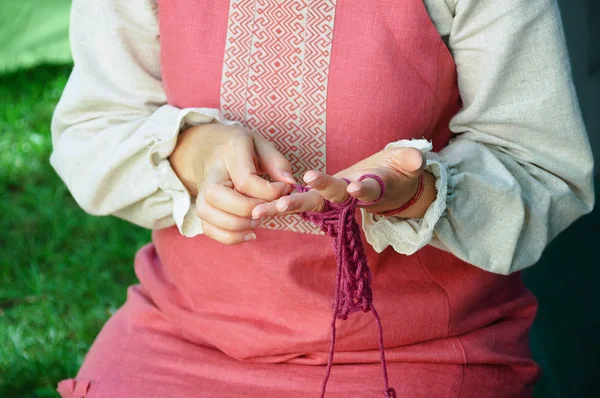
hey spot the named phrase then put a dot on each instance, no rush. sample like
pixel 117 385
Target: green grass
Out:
pixel 62 272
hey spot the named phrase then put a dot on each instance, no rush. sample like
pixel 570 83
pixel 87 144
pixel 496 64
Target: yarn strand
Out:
pixel 353 276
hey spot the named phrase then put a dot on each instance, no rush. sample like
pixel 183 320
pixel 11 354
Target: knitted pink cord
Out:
pixel 353 276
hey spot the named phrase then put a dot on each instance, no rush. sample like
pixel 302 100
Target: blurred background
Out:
pixel 63 273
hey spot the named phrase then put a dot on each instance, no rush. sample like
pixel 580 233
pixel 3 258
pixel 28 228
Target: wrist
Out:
pixel 419 208
pixel 186 156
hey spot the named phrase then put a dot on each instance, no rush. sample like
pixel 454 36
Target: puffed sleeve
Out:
pixel 113 130
pixel 519 169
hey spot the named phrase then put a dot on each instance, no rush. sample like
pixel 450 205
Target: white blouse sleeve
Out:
pixel 519 169
pixel 113 131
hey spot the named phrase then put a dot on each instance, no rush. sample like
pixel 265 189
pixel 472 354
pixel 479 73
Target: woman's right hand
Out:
pixel 219 164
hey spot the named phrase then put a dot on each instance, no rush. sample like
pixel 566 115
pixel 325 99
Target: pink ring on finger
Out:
pixel 381 185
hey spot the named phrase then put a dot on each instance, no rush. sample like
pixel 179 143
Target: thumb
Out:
pixel 412 162
pixel 273 162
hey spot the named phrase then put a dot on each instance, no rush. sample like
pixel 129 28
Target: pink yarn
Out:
pixel 353 276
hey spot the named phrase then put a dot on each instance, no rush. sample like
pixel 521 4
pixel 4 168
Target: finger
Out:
pixel 307 201
pixel 367 190
pixel 228 200
pixel 330 188
pixel 296 203
pixel 223 220
pixel 412 162
pixel 239 161
pixel 226 237
pixel 265 210
pixel 273 162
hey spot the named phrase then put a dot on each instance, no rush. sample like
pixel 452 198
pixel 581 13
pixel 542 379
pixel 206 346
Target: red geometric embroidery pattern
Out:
pixel 275 80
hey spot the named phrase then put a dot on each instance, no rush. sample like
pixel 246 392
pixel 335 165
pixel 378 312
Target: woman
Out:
pixel 175 110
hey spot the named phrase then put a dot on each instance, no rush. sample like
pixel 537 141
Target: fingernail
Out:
pixel 250 236
pixel 281 206
pixel 310 177
pixel 255 214
pixel 289 177
pixel 353 188
pixel 254 223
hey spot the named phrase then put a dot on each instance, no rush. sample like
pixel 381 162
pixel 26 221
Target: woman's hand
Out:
pixel 219 165
pixel 399 168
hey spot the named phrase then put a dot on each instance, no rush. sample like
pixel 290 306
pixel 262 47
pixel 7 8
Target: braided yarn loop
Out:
pixel 353 276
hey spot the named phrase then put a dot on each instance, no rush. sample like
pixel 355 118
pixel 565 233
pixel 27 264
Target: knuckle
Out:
pixel 271 195
pixel 319 183
pixel 237 130
pixel 246 208
pixel 211 193
pixel 319 206
pixel 253 135
pixel 230 145
pixel 239 137
pixel 233 224
pixel 242 130
pixel 268 162
pixel 242 185
pixel 208 232
pixel 338 197
pixel 201 209
pixel 279 161
pixel 319 203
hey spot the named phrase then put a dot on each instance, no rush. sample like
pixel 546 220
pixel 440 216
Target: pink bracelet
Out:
pixel 408 204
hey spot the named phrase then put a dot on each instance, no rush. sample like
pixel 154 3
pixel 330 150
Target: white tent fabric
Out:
pixel 33 32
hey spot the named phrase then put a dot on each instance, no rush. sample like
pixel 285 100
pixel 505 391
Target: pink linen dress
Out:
pixel 329 83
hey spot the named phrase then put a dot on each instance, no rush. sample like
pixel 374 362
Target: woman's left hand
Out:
pixel 399 168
